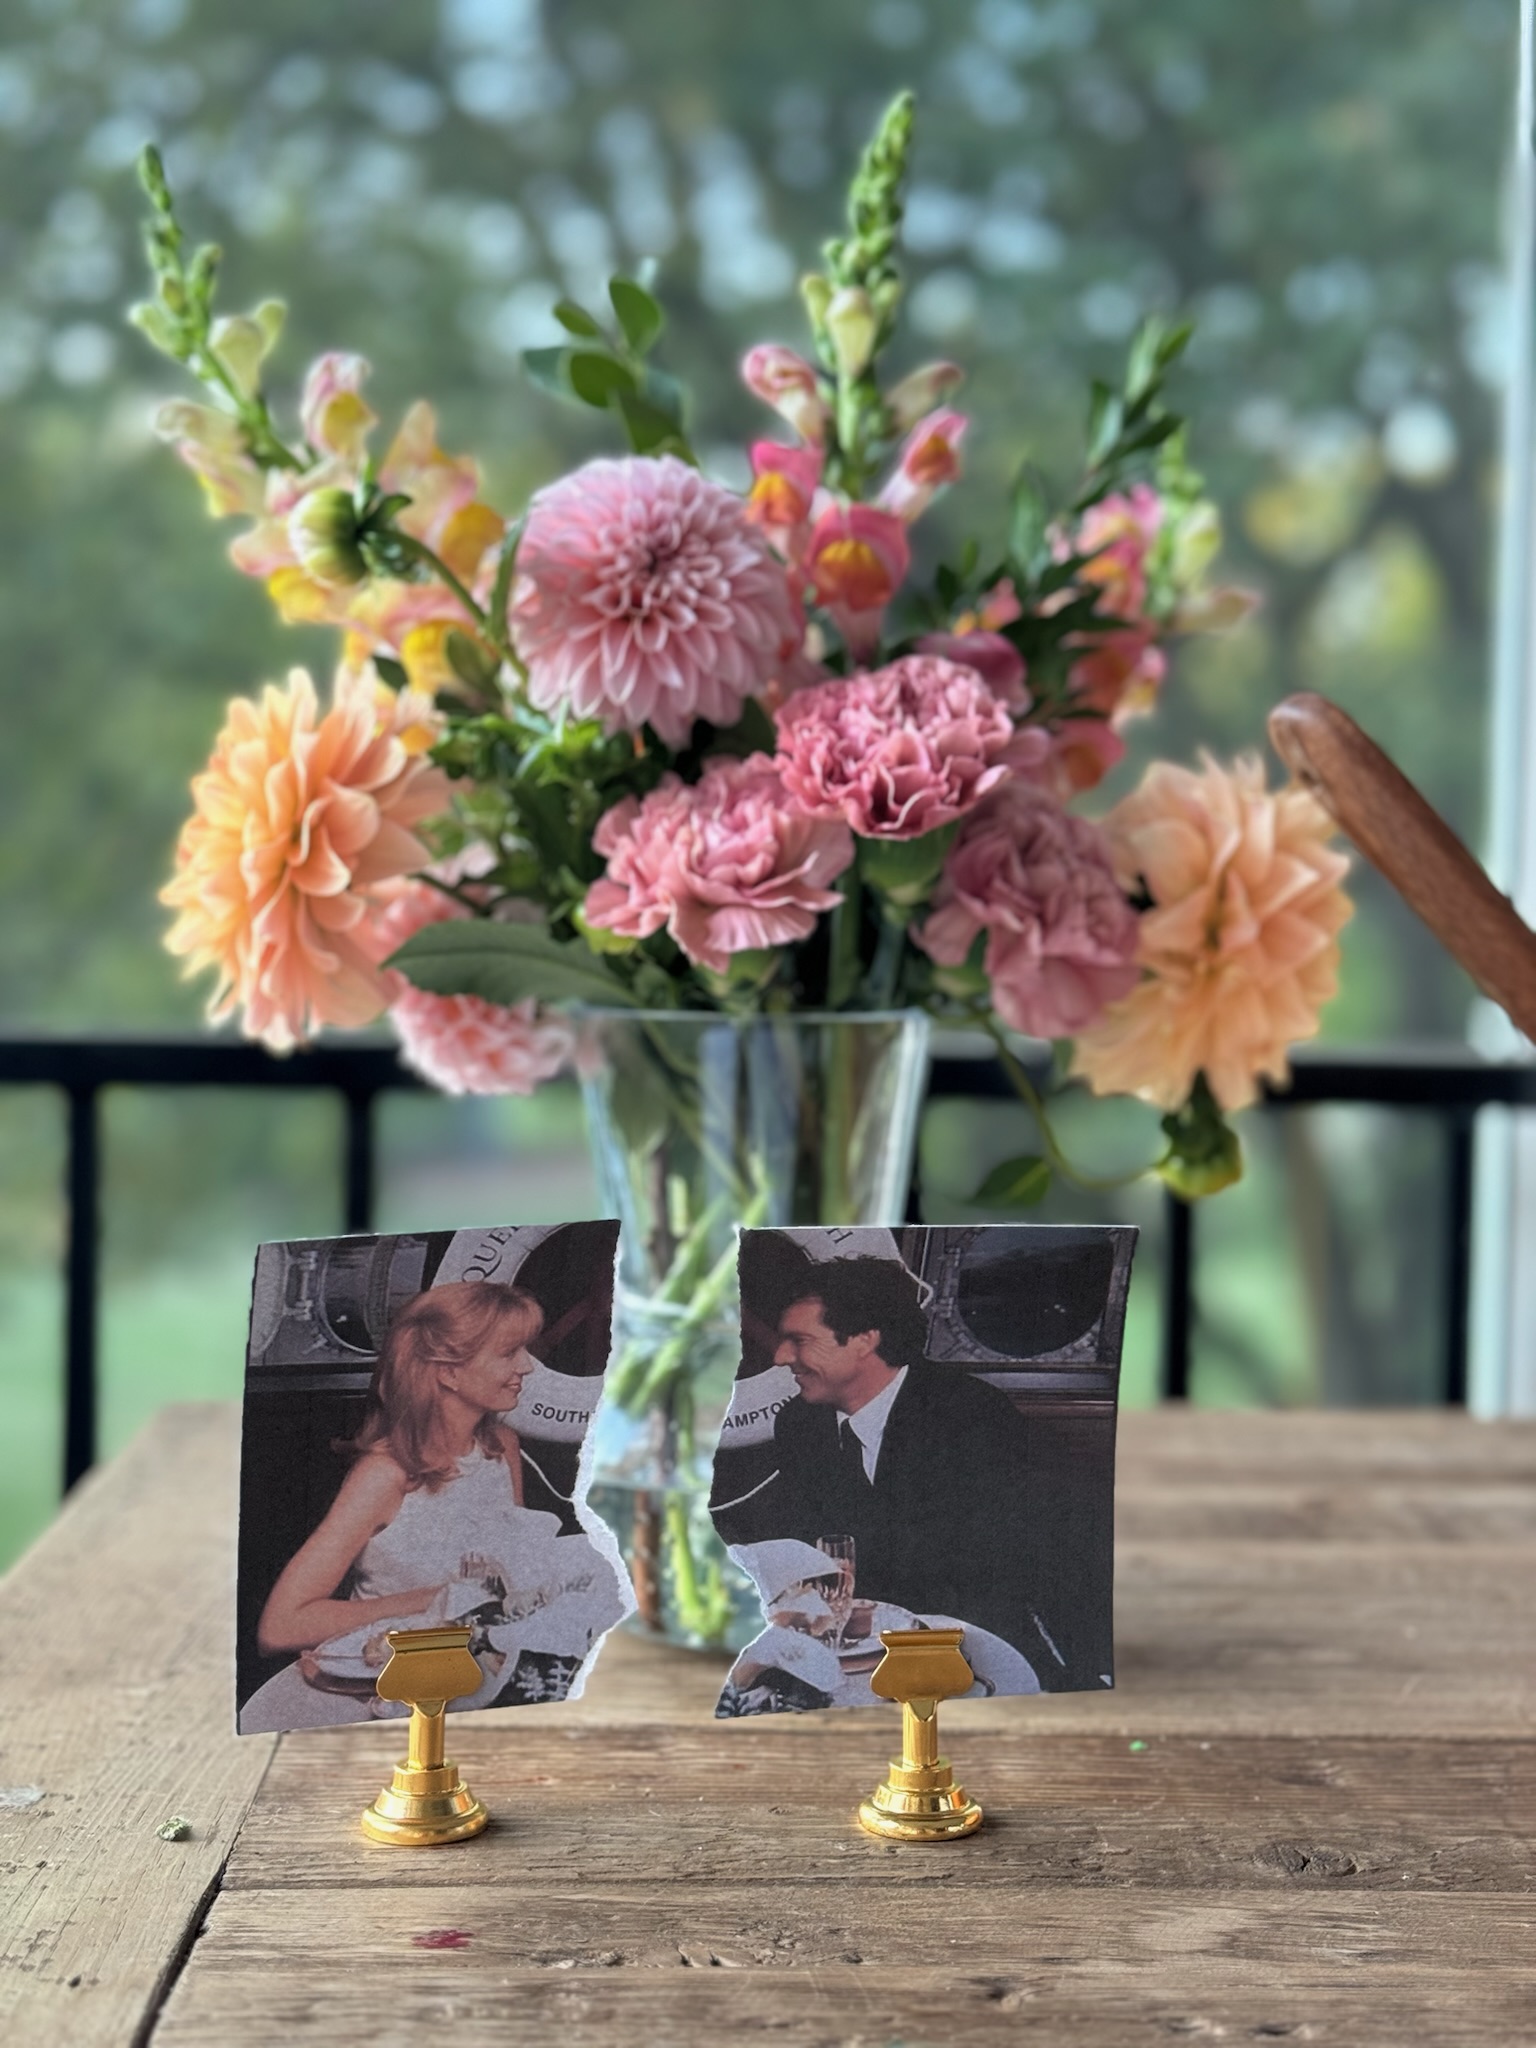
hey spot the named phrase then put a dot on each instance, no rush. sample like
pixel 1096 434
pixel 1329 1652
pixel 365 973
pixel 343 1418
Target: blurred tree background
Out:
pixel 1317 182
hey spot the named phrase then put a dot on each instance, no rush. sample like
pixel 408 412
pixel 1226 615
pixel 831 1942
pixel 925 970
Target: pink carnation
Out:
pixel 645 597
pixel 897 752
pixel 1061 938
pixel 462 1044
pixel 727 866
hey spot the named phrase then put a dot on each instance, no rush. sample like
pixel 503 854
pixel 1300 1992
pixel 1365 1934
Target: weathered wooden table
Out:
pixel 1308 1814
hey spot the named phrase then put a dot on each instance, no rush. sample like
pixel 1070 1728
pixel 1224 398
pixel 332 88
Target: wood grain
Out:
pixel 1200 1447
pixel 695 1806
pixel 1307 1511
pixel 1326 1832
pixel 845 2007
pixel 1411 844
pixel 1225 1638
pixel 116 1662
pixel 1155 1974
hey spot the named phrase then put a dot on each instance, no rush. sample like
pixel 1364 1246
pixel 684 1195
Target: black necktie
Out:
pixel 850 1454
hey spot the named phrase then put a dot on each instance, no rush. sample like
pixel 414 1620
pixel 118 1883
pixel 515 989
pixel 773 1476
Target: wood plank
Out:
pixel 1233 1638
pixel 116 1660
pixel 1329 1632
pixel 1329 1510
pixel 739 1803
pixel 835 2008
pixel 1057 1967
pixel 1202 1446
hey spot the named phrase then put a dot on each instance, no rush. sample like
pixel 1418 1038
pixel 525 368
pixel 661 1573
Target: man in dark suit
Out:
pixel 923 1465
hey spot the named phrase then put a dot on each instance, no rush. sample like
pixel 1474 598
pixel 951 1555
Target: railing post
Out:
pixel 82 1266
pixel 1178 1294
pixel 1460 1174
pixel 358 1190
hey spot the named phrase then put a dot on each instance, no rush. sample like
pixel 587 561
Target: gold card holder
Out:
pixel 425 1804
pixel 919 1800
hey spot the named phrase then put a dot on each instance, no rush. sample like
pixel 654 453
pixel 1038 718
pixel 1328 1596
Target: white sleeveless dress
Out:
pixel 560 1594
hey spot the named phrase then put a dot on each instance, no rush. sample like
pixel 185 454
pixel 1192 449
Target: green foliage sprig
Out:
pixel 608 369
pixel 226 354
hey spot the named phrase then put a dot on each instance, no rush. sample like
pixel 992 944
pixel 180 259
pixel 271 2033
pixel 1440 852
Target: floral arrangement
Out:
pixel 660 742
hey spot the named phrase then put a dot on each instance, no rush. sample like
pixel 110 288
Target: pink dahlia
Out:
pixel 728 865
pixel 462 1044
pixel 646 597
pixel 897 752
pixel 1061 938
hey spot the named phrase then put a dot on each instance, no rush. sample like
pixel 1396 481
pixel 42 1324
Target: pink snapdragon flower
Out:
pixel 897 752
pixel 1117 535
pixel 729 865
pixel 212 445
pixel 929 462
pixel 920 391
pixel 444 511
pixel 463 1044
pixel 783 493
pixel 1061 938
pixel 857 559
pixel 645 597
pixel 1119 676
pixel 1083 750
pixel 790 385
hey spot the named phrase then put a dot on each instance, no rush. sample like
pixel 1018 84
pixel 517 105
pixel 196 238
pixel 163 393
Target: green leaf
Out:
pixel 638 313
pixel 1106 416
pixel 469 662
pixel 1028 519
pixel 598 379
pixel 753 733
pixel 1141 365
pixel 906 869
pixel 661 389
pixel 506 564
pixel 503 963
pixel 577 320
pixel 650 430
pixel 1015 1184
pixel 1174 341
pixel 391 671
pixel 546 367
pixel 1152 435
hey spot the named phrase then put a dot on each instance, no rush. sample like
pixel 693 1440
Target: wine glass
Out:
pixel 840 1599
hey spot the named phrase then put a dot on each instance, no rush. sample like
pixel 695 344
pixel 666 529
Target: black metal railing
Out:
pixel 1451 1086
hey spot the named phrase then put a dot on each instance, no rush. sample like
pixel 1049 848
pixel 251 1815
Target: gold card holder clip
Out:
pixel 919 1800
pixel 425 1804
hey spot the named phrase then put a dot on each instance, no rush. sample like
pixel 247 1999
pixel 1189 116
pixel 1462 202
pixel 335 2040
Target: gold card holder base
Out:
pixel 919 1800
pixel 425 1804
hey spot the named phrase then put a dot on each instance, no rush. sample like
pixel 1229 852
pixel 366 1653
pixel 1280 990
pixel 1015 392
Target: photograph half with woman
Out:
pixel 416 1415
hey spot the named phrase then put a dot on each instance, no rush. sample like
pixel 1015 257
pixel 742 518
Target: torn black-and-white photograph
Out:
pixel 414 1454
pixel 922 1433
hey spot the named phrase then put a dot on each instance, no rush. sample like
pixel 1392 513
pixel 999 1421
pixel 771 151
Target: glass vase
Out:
pixel 699 1123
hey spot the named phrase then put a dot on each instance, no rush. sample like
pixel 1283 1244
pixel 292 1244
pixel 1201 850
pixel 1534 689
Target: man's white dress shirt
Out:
pixel 868 1424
